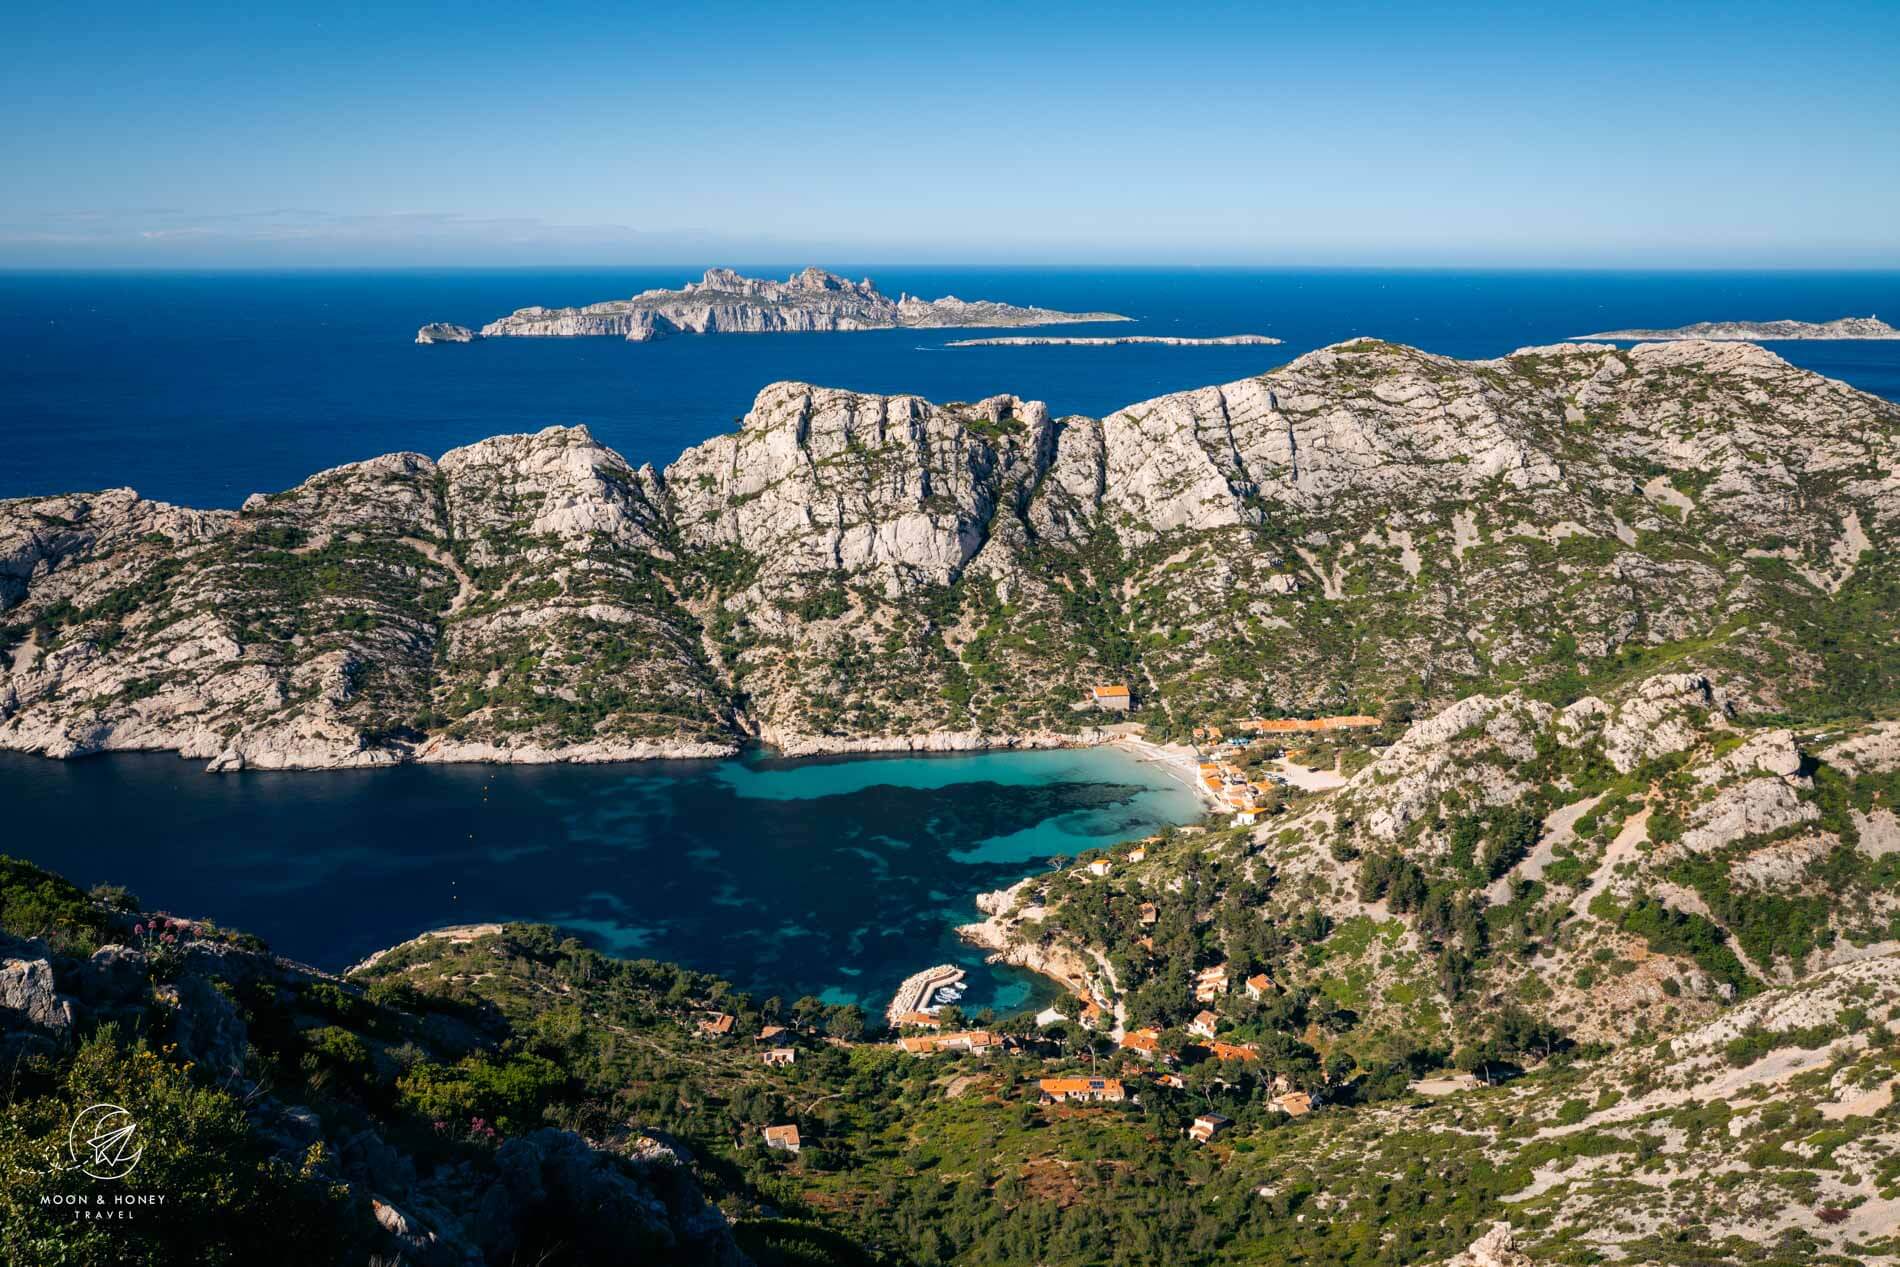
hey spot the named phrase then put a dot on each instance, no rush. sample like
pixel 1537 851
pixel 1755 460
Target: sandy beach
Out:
pixel 1179 760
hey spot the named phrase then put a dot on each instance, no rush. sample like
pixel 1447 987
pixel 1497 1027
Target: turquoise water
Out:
pixel 834 877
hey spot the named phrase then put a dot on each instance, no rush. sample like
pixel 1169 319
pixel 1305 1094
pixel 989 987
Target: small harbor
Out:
pixel 921 988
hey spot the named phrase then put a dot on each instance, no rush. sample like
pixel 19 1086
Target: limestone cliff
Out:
pixel 850 571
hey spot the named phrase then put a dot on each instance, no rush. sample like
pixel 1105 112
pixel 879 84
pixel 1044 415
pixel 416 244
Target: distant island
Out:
pixel 1042 340
pixel 1868 327
pixel 723 302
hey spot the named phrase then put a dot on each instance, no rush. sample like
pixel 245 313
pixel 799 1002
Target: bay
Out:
pixel 833 877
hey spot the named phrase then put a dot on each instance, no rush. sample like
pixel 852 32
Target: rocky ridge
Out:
pixel 723 302
pixel 1751 331
pixel 848 572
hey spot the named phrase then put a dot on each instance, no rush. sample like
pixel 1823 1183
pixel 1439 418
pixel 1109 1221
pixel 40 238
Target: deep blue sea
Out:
pixel 204 388
pixel 835 878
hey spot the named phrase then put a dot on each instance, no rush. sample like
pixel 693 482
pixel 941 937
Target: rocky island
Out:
pixel 1869 327
pixel 723 302
pixel 855 572
pixel 1166 340
pixel 444 332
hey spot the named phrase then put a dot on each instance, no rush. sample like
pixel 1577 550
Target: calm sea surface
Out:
pixel 832 877
pixel 205 388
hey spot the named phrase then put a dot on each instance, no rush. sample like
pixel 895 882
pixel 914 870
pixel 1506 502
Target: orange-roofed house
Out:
pixel 784 1138
pixel 1203 1024
pixel 1259 986
pixel 1110 697
pixel 1210 983
pixel 976 1040
pixel 716 1026
pixel 1143 1042
pixel 1294 1103
pixel 922 1020
pixel 1092 1090
pixel 768 1033
pixel 1234 1051
pixel 1294 725
pixel 1148 912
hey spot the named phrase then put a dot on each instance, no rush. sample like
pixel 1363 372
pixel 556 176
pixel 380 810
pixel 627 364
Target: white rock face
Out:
pixel 1667 714
pixel 723 302
pixel 1496 1248
pixel 823 480
pixel 1756 807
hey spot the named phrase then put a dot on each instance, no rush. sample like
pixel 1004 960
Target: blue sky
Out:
pixel 1685 134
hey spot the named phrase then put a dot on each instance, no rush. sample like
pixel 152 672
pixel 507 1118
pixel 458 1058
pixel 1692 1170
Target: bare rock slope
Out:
pixel 849 571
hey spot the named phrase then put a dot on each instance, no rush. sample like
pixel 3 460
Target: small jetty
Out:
pixel 919 988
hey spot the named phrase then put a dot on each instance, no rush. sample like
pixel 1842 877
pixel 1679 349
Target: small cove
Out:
pixel 835 877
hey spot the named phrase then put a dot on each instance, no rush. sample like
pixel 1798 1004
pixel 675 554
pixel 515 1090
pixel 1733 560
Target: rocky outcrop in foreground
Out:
pixel 225 1007
pixel 723 302
pixel 1756 331
pixel 849 572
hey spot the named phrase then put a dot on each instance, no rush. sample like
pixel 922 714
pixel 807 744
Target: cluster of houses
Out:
pixel 1077 1089
pixel 1101 868
pixel 1231 785
pixel 1265 727
pixel 1234 788
pixel 774 1041
pixel 971 1040
pixel 1209 984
